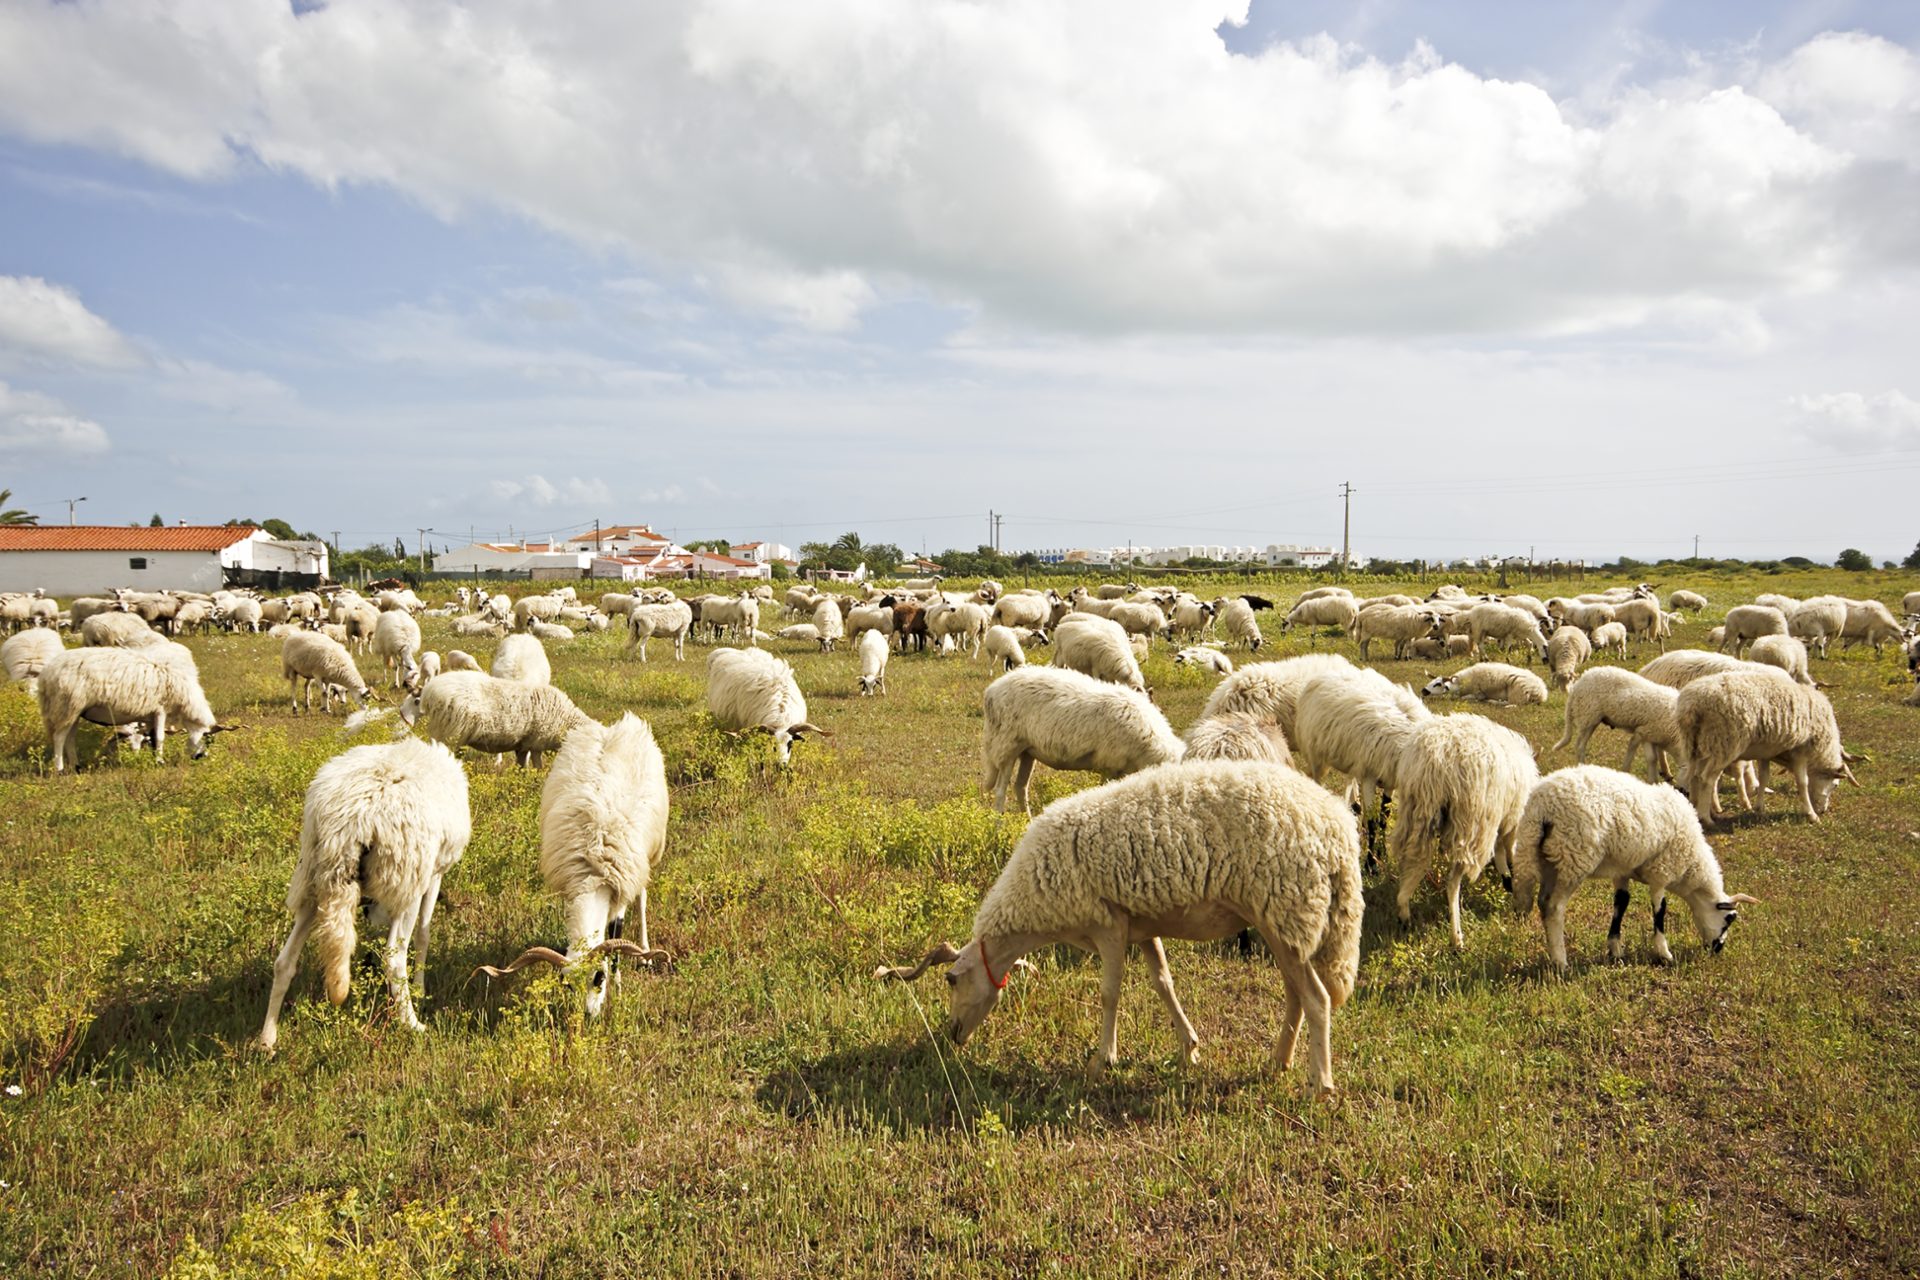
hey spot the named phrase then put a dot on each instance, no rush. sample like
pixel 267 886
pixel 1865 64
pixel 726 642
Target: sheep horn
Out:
pixel 1744 897
pixel 623 947
pixel 1846 771
pixel 1850 757
pixel 945 953
pixel 808 726
pixel 532 955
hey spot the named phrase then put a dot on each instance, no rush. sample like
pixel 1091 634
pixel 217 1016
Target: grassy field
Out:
pixel 765 1107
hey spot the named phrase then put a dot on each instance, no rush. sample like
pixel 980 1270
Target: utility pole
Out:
pixel 423 549
pixel 70 505
pixel 1346 525
pixel 1696 546
pixel 998 520
pixel 990 525
pixel 336 542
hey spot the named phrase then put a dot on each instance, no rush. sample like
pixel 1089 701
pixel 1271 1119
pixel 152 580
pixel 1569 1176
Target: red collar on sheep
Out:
pixel 999 983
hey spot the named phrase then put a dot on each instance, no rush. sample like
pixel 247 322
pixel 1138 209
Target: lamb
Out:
pixel 1508 625
pixel 1097 648
pixel 1717 636
pixel 1235 618
pixel 396 639
pixel 1609 637
pixel 1463 784
pixel 1271 690
pixel 522 658
pixel 1490 682
pixel 1818 621
pixel 671 621
pixel 831 623
pixel 748 689
pixel 1688 600
pixel 1187 851
pixel 1870 622
pixel 801 632
pixel 429 666
pixel 1402 624
pixel 1748 622
pixel 1237 735
pixel 1582 614
pixel 1002 645
pixel 1357 722
pixel 873 663
pixel 1066 720
pixel 23 656
pixel 1205 659
pixel 1323 611
pixel 548 631
pixel 1643 617
pixel 1586 822
pixel 120 630
pixel 603 829
pixel 1438 647
pixel 1761 715
pixel 616 603
pixel 310 656
pixel 461 660
pixel 1622 699
pixel 1784 652
pixel 1567 651
pixel 495 716
pixel 383 823
pixel 149 686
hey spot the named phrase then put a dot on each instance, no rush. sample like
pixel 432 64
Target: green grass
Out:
pixel 765 1107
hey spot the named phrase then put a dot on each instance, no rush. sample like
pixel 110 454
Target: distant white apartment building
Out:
pixel 1285 555
pixel 763 552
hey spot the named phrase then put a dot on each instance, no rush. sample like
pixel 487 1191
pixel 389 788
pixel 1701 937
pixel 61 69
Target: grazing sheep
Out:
pixel 1608 637
pixel 494 716
pixel 1748 622
pixel 1356 722
pixel 1234 615
pixel 873 663
pixel 461 660
pixel 739 614
pixel 1066 720
pixel 1643 618
pixel 1870 622
pixel 1567 651
pixel 672 621
pixel 1506 624
pixel 1761 715
pixel 522 658
pixel 1237 735
pixel 831 623
pixel 1785 604
pixel 24 655
pixel 1490 682
pixel 1099 648
pixel 616 603
pixel 869 617
pixel 1140 619
pixel 529 609
pixel 1585 822
pixel 118 630
pixel 1190 618
pixel 311 656
pixel 1784 652
pixel 603 829
pixel 1323 611
pixel 429 666
pixel 1717 637
pixel 1682 667
pixel 1616 698
pixel 1585 615
pixel 748 689
pixel 1402 624
pixel 1909 603
pixel 382 825
pixel 1205 659
pixel 1193 851
pixel 153 686
pixel 1025 609
pixel 1271 689
pixel 1692 601
pixel 1002 645
pixel 1463 783
pixel 1818 621
pixel 396 639
pixel 1322 593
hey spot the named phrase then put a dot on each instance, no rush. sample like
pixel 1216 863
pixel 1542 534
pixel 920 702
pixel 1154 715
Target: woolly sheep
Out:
pixel 1818 621
pixel 750 689
pixel 1322 593
pixel 831 623
pixel 1506 624
pixel 869 617
pixel 1748 622
pixel 1438 647
pixel 461 660
pixel 603 830
pixel 429 666
pixel 1870 622
pixel 1784 652
pixel 1190 618
pixel 24 655
pixel 1205 659
pixel 1717 636
pixel 873 652
pixel 1585 822
pixel 121 630
pixel 1270 690
pixel 1463 783
pixel 476 625
pixel 1761 715
pixel 1490 682
pixel 382 824
pixel 494 716
pixel 1785 604
pixel 1234 616
pixel 154 686
pixel 1567 651
pixel 1140 619
pixel 1689 600
pixel 359 620
pixel 1643 618
pixel 1402 624
pixel 1608 637
pixel 1002 645
pixel 1237 735
pixel 1066 720
pixel 1682 667
pixel 1099 648
pixel 669 621
pixel 548 631
pixel 1616 698
pixel 311 656
pixel 1581 614
pixel 1193 851
pixel 528 609
pixel 1909 603
pixel 802 632
pixel 522 658
pixel 1356 722
pixel 1325 611
pixel 396 639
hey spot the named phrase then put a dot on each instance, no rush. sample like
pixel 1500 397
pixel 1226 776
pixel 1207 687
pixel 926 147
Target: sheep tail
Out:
pixel 1337 960
pixel 333 937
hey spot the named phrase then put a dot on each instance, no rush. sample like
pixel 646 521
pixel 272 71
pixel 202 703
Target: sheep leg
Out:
pixel 1163 983
pixel 1455 874
pixel 1662 953
pixel 399 986
pixel 423 927
pixel 1801 775
pixel 1317 1010
pixel 64 745
pixel 159 732
pixel 283 968
pixel 1412 871
pixel 1290 1022
pixel 1620 899
pixel 1112 945
pixel 1553 920
pixel 1752 797
pixel 1020 781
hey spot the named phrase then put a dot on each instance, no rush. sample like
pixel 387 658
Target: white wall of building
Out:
pixel 81 573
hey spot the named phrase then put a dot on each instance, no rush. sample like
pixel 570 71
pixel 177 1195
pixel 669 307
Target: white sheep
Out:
pixel 1066 720
pixel 24 655
pixel 1585 822
pixel 1189 618
pixel 1585 615
pixel 154 686
pixel 1193 851
pixel 739 614
pixel 522 658
pixel 1909 604
pixel 1463 783
pixel 1237 735
pixel 1234 616
pixel 461 660
pixel 118 630
pixel 396 641
pixel 1322 593
pixel 528 609
pixel 1784 652
pixel 671 621
pixel 1818 622
pixel 872 652
pixel 1401 624
pixel 1870 622
pixel 1567 651
pixel 750 689
pixel 1492 620
pixel 1356 722
pixel 1321 611
pixel 1490 682
pixel 1205 659
pixel 1002 645
pixel 552 631
pixel 831 622
pixel 1099 648
pixel 1692 601
pixel 800 633
pixel 1682 667
pixel 477 625
pixel 603 830
pixel 1785 604
pixel 1608 637
pixel 1746 623
pixel 1761 715
pixel 1643 617
pixel 314 657
pixel 494 716
pixel 383 824
pixel 1620 699
pixel 1271 689
pixel 1439 647
pixel 1140 619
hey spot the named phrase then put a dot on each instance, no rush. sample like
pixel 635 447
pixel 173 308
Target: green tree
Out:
pixel 1854 560
pixel 156 522
pixel 718 545
pixel 1911 562
pixel 279 529
pixel 17 515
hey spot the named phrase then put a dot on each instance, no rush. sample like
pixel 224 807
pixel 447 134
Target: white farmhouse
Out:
pixel 88 559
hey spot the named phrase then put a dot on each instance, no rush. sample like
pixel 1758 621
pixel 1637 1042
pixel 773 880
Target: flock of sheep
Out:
pixel 1198 836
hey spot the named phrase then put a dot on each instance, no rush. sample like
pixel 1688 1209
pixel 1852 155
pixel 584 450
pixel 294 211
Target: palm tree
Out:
pixel 15 515
pixel 848 542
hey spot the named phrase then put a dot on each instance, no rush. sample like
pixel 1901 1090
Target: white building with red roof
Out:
pixel 90 559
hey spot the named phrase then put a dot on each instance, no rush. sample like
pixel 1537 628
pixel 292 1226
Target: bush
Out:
pixel 1854 560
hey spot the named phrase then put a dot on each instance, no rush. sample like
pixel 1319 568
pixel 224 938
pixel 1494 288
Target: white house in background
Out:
pixel 1285 555
pixel 541 559
pixel 763 552
pixel 88 559
pixel 637 540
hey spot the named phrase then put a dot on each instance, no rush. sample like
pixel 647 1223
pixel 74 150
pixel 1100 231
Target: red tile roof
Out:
pixel 108 537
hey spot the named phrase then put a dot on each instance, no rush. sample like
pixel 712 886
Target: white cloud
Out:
pixel 536 490
pixel 31 423
pixel 48 322
pixel 1095 165
pixel 1852 422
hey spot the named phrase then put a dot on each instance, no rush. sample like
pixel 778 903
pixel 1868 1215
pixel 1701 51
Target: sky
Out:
pixel 1577 280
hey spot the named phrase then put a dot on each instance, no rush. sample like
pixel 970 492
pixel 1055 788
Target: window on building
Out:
pixel 136 562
